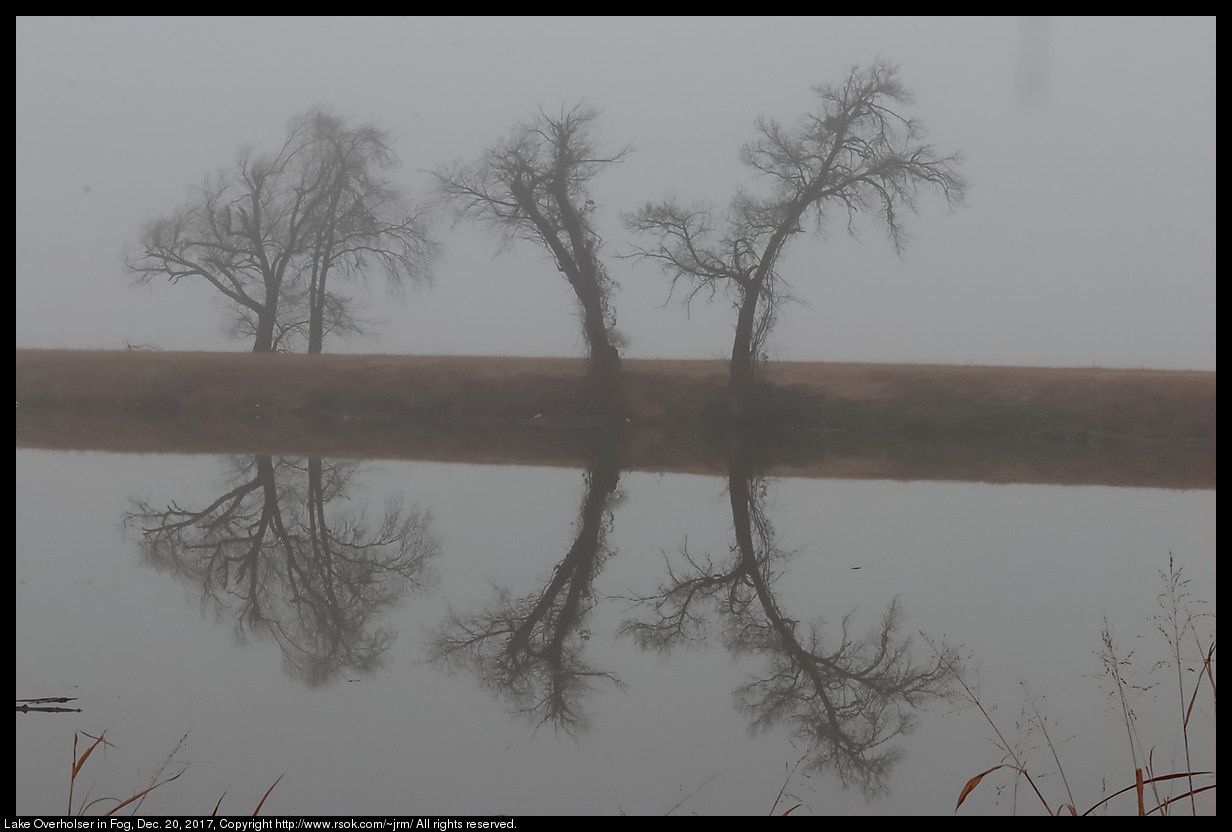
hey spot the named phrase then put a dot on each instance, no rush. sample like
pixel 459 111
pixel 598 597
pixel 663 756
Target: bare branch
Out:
pixel 534 185
pixel 267 233
pixel 855 153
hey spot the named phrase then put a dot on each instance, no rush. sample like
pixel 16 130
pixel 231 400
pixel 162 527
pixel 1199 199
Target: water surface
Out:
pixel 431 638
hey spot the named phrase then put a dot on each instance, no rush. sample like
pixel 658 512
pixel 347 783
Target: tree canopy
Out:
pixel 268 232
pixel 534 185
pixel 855 153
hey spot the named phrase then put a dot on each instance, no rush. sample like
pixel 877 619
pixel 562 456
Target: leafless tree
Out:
pixel 855 153
pixel 366 223
pixel 268 233
pixel 534 185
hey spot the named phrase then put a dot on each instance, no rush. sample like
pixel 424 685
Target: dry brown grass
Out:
pixel 114 804
pixel 898 397
pixel 1180 623
pixel 994 424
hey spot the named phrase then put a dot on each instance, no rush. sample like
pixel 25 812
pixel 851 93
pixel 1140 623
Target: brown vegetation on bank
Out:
pixel 910 398
pixel 993 424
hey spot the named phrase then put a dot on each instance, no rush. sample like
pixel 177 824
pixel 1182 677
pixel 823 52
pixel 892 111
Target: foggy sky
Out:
pixel 1087 238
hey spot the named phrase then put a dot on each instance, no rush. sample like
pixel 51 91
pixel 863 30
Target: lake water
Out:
pixel 398 638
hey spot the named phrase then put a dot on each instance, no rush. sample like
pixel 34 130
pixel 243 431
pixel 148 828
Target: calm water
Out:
pixel 426 638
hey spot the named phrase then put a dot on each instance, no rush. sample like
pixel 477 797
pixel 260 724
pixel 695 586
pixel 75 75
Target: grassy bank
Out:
pixel 910 399
pixel 864 421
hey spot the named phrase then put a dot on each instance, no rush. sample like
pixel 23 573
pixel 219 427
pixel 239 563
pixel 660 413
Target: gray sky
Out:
pixel 1088 236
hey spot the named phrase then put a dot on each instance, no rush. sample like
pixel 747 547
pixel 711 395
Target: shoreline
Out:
pixel 952 400
pixel 1139 428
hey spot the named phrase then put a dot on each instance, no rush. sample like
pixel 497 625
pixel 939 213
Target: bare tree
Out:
pixel 854 154
pixel 534 185
pixel 365 223
pixel 268 233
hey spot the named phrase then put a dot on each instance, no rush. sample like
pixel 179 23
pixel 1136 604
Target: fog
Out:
pixel 1087 236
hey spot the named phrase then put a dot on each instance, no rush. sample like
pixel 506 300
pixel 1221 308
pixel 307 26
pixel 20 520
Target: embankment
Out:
pixel 997 424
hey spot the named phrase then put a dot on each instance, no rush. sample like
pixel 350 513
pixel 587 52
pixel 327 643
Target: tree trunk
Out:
pixel 316 297
pixel 578 261
pixel 264 341
pixel 740 391
pixel 604 357
pixel 316 318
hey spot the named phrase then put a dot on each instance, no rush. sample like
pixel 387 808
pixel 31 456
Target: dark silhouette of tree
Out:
pixel 268 233
pixel 529 650
pixel 269 555
pixel 844 696
pixel 854 154
pixel 534 185
pixel 365 225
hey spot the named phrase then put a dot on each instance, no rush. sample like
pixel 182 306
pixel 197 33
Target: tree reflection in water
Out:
pixel 269 555
pixel 847 698
pixel 529 650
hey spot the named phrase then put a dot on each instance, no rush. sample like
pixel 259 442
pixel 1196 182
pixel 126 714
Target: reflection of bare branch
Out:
pixel 848 701
pixel 268 555
pixel 528 650
pixel 675 618
pixel 846 697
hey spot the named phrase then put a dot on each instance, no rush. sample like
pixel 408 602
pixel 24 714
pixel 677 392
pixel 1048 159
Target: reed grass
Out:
pixel 1180 622
pixel 135 800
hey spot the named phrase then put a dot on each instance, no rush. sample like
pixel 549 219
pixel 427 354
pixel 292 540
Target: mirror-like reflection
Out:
pixel 796 589
pixel 846 697
pixel 276 555
pixel 530 650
